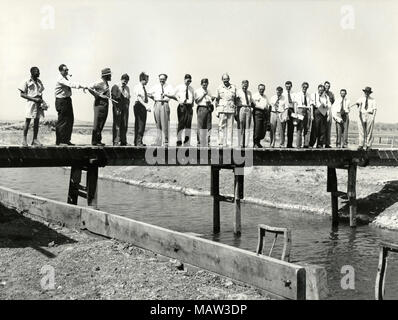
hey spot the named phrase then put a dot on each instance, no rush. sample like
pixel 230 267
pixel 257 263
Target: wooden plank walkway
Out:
pixel 53 156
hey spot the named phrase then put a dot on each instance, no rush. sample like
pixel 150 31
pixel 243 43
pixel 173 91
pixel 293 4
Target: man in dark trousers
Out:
pixel 261 107
pixel 185 97
pixel 330 94
pixel 101 93
pixel 290 124
pixel 321 104
pixel 121 95
pixel 140 109
pixel 63 105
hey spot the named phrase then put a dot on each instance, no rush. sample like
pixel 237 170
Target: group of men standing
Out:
pixel 311 115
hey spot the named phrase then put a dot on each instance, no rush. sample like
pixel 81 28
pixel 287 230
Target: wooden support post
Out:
pixel 74 183
pixel 92 181
pixel 215 192
pixel 351 193
pixel 238 194
pixel 332 188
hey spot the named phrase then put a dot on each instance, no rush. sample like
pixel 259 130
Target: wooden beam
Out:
pixel 351 193
pixel 74 184
pixel 92 185
pixel 332 188
pixel 238 194
pixel 215 192
pixel 286 280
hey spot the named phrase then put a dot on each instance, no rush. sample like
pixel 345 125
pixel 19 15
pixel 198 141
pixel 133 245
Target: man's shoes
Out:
pixel 305 147
pixel 368 148
pixel 319 146
pixel 98 144
pixel 70 143
pixel 360 148
pixel 258 145
pixel 117 144
pixel 328 147
pixel 36 143
pixel 25 144
pixel 179 143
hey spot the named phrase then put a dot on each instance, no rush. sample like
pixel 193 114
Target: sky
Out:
pixel 350 43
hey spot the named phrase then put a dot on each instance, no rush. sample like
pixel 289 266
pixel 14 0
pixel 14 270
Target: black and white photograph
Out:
pixel 200 157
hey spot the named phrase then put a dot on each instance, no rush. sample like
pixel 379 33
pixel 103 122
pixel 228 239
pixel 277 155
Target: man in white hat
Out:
pixel 367 113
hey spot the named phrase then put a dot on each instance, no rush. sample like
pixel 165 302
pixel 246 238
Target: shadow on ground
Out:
pixel 375 203
pixel 18 231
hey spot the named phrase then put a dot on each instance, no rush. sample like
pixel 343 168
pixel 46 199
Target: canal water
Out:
pixel 313 239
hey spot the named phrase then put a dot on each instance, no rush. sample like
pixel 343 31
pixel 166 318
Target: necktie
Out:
pixel 288 96
pixel 305 99
pixel 145 95
pixel 342 107
pixel 162 94
pixel 186 93
pixel 247 99
pixel 366 104
pixel 277 103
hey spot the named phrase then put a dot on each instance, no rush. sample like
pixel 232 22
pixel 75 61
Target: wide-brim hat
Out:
pixel 367 89
pixel 106 72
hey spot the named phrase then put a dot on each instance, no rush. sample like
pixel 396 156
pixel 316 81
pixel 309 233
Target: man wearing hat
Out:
pixel 101 93
pixel 161 94
pixel 121 96
pixel 185 97
pixel 367 113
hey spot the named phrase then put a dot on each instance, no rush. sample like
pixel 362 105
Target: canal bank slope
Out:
pixel 91 267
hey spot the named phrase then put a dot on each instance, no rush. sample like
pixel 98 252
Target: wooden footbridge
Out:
pixel 278 277
pixel 90 158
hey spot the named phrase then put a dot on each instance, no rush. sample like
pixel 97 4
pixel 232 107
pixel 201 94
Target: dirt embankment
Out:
pixel 297 188
pixel 91 267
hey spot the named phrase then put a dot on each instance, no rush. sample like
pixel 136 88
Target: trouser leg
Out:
pixel 361 131
pixel 290 130
pixel 346 124
pixel 282 130
pixel 328 134
pixel 165 121
pixel 116 128
pixel 222 123
pixel 202 122
pixel 158 122
pixel 64 126
pixel 100 115
pixel 307 129
pixel 230 129
pixel 209 126
pixel 188 123
pixel 181 116
pixel 369 130
pixel 274 124
pixel 241 127
pixel 248 123
pixel 259 126
pixel 300 126
pixel 339 132
pixel 124 125
pixel 140 114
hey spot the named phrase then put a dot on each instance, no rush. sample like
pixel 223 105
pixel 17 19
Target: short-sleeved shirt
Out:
pixel 32 89
pixel 102 88
pixel 181 94
pixel 63 87
pixel 226 98
pixel 206 100
pixel 121 94
pixel 156 91
pixel 242 98
pixel 371 105
pixel 282 104
pixel 260 101
pixel 337 106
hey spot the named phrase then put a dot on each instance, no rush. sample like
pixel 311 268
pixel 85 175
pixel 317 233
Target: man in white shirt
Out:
pixel 185 97
pixel 260 115
pixel 121 104
pixel 367 113
pixel 63 105
pixel 161 94
pixel 340 113
pixel 225 108
pixel 244 105
pixel 321 104
pixel 141 108
pixel 303 110
pixel 204 100
pixel 279 107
